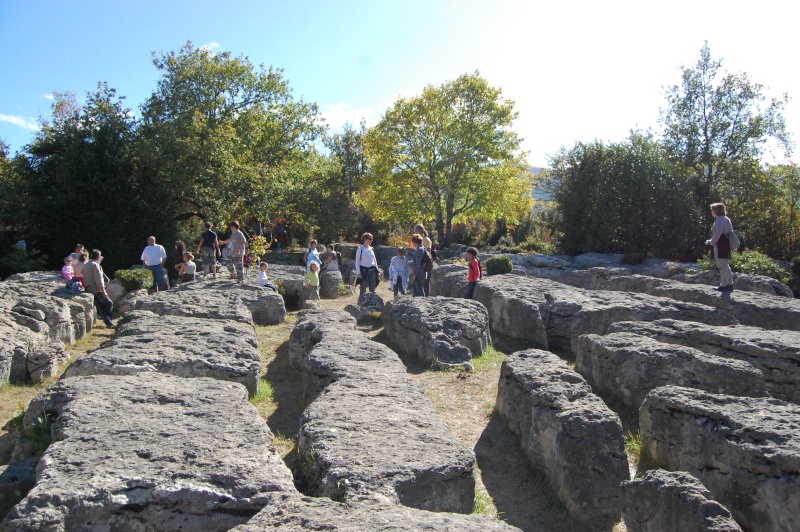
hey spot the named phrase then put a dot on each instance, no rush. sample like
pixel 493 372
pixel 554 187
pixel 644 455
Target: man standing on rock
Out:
pixel 236 258
pixel 153 258
pixel 210 245
pixel 94 278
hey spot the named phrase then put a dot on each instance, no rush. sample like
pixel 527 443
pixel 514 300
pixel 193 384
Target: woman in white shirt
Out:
pixel 367 264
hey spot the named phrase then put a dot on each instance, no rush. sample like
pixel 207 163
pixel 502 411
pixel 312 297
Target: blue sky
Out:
pixel 576 70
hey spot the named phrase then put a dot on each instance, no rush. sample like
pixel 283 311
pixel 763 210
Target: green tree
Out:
pixel 715 122
pixel 223 134
pixel 622 197
pixel 446 154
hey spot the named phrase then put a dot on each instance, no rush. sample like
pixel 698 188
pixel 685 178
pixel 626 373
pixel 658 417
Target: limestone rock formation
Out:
pixel 16 480
pixel 745 450
pixel 295 514
pixel 329 282
pixel 566 431
pixel 45 361
pixel 181 346
pixel 442 331
pixel 664 500
pixel 775 353
pixel 149 452
pixel 629 366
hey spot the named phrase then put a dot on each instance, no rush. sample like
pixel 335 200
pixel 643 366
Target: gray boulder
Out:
pixel 775 353
pixel 329 282
pixel 567 432
pixel 546 261
pixel 295 514
pixel 629 366
pixel 442 331
pixel 370 431
pixel 592 260
pixel 16 480
pixel 745 450
pixel 149 452
pixel 46 361
pixel 664 500
pixel 552 315
pixel 185 347
pixel 265 306
pixel 213 304
pixel 127 303
pixel 115 291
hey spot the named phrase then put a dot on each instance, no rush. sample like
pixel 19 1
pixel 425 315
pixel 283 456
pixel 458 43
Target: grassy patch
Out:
pixel 483 503
pixel 490 360
pixel 265 393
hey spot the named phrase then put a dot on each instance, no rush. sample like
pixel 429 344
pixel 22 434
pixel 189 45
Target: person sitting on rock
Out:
pixel 187 270
pixel 398 272
pixel 96 284
pixel 68 273
pixel 77 267
pixel 263 278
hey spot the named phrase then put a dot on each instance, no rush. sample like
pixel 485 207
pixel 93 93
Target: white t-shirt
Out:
pixel 153 255
pixel 365 258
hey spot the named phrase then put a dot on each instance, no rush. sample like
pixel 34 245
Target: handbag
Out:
pixel 734 241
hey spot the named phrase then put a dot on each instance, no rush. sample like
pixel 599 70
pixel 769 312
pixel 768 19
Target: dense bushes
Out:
pixel 499 264
pixel 135 279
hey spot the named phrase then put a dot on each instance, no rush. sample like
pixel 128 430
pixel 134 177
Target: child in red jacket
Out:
pixel 474 272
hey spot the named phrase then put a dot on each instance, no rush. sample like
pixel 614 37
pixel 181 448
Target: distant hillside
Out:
pixel 538 193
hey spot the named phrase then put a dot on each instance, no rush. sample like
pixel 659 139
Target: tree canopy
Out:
pixel 445 154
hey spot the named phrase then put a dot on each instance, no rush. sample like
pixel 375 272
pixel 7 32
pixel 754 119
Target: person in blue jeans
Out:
pixel 398 271
pixel 153 258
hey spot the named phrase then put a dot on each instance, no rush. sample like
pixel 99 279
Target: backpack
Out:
pixel 480 269
pixel 427 262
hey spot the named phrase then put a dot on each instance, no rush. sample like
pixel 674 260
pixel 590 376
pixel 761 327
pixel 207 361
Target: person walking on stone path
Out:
pixel 366 264
pixel 94 278
pixel 209 244
pixel 417 279
pixel 474 274
pixel 153 258
pixel 721 246
pixel 237 242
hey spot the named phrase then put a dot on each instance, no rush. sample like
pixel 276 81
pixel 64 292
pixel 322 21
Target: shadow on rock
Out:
pixel 521 494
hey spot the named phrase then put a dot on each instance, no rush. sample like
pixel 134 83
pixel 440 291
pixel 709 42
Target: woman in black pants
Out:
pixel 367 264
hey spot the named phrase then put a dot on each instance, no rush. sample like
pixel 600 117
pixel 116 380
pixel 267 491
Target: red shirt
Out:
pixel 474 271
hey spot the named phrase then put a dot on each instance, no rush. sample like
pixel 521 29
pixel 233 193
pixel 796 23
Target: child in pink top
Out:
pixel 66 271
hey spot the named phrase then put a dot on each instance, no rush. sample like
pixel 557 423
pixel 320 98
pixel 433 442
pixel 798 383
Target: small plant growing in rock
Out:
pixel 135 279
pixel 498 265
pixel 39 433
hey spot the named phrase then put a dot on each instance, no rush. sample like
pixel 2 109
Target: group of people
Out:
pixel 82 271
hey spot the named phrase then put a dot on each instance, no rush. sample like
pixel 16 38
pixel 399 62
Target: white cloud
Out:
pixel 20 121
pixel 211 46
pixel 49 97
pixel 337 115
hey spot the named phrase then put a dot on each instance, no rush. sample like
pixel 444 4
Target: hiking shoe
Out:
pixel 108 323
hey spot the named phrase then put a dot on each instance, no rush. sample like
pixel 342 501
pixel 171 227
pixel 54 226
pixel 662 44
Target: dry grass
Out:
pixel 14 397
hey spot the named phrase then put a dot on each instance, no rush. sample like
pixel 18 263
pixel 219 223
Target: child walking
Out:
pixel 474 272
pixel 398 272
pixel 263 278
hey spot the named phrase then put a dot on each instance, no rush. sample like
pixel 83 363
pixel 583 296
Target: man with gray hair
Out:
pixel 95 281
pixel 153 258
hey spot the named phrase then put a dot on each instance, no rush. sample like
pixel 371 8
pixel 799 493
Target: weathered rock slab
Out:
pixel 46 360
pixel 212 304
pixel 181 346
pixel 775 353
pixel 149 452
pixel 295 514
pixel 16 480
pixel 445 332
pixel 566 431
pixel 329 282
pixel 745 450
pixel 664 500
pixel 629 366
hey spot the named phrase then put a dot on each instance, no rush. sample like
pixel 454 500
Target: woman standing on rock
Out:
pixel 721 246
pixel 366 264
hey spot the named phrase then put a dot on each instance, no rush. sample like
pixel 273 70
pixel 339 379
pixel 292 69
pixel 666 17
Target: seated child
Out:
pixel 398 272
pixel 187 269
pixel 68 273
pixel 263 278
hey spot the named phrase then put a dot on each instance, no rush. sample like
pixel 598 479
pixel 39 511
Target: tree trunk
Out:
pixel 440 229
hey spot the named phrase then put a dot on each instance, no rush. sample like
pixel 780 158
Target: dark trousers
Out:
pixel 104 306
pixel 369 280
pixel 419 286
pixel 398 286
pixel 470 289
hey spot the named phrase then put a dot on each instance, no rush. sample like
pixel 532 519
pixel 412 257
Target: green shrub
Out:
pixel 796 266
pixel 135 279
pixel 498 265
pixel 634 258
pixel 751 262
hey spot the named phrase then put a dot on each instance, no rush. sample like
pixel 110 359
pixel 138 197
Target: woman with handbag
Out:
pixel 366 264
pixel 721 243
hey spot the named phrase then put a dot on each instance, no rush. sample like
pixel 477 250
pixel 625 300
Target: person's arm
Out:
pixel 181 268
pixel 358 262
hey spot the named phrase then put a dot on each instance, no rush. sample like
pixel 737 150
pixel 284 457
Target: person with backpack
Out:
pixel 421 258
pixel 366 264
pixel 333 260
pixel 475 272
